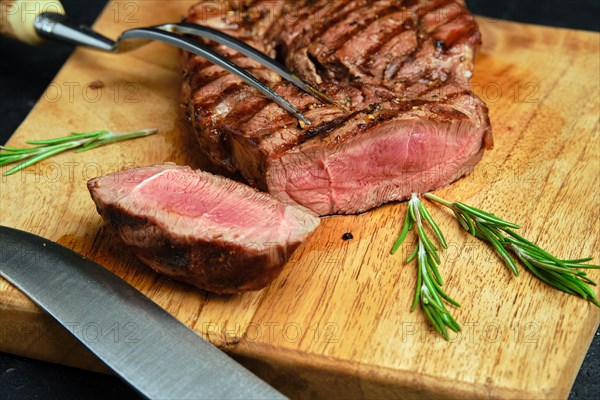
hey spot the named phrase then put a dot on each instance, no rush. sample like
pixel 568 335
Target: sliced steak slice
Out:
pixel 400 70
pixel 199 228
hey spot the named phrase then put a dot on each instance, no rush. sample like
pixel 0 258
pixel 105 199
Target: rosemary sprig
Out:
pixel 565 275
pixel 47 148
pixel 429 292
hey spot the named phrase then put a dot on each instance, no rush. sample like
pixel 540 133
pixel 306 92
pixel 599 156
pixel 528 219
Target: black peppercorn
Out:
pixel 440 44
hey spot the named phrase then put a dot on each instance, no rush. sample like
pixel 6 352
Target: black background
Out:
pixel 25 73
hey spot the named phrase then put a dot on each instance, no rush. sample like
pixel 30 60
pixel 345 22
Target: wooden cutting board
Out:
pixel 337 323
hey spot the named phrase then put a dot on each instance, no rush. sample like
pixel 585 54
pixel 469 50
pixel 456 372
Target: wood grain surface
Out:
pixel 337 322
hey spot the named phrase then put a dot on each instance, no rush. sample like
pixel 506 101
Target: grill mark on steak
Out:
pixel 213 73
pixel 423 36
pixel 322 51
pixel 359 123
pixel 300 38
pixel 271 114
pixel 319 68
pixel 232 92
pixel 465 29
pixel 253 113
pixel 450 10
pixel 299 99
pixel 328 127
pixel 376 46
pixel 369 23
pixel 214 89
pixel 319 113
pixel 308 14
pixel 303 19
pixel 326 23
pixel 252 106
pixel 357 22
pixel 406 25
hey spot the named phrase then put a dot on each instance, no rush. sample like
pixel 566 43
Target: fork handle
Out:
pixel 17 18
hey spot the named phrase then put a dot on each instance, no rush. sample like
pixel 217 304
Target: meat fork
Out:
pixel 56 26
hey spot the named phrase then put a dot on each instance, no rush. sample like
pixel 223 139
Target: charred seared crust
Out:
pixel 218 267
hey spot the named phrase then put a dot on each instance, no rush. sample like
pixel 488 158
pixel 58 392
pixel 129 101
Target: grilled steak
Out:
pixel 405 120
pixel 212 232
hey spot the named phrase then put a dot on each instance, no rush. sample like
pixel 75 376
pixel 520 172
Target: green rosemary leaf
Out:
pixel 411 211
pixel 433 303
pixel 50 147
pixel 428 291
pixel 427 280
pixel 12 159
pixel 6 148
pixel 405 229
pixel 429 246
pixel 526 247
pixel 549 280
pixel 493 230
pixel 573 284
pixel 587 280
pixel 493 240
pixel 485 216
pixel 565 275
pixel 412 255
pixel 419 284
pixel 466 224
pixel 39 157
pixel 527 244
pixel 434 269
pixel 439 200
pixel 578 265
pixel 520 238
pixel 14 151
pixel 579 261
pixel 444 295
pixel 433 225
pixel 451 323
pixel 109 137
pixel 74 136
pixel 553 267
pixel 437 323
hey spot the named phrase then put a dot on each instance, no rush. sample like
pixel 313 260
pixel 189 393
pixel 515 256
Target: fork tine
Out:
pixel 199 49
pixel 247 50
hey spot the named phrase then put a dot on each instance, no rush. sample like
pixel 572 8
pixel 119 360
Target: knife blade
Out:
pixel 157 355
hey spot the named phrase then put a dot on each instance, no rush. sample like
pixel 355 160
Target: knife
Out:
pixel 160 357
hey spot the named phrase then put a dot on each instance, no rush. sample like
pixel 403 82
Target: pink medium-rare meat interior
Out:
pixel 398 158
pixel 190 201
pixel 215 233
